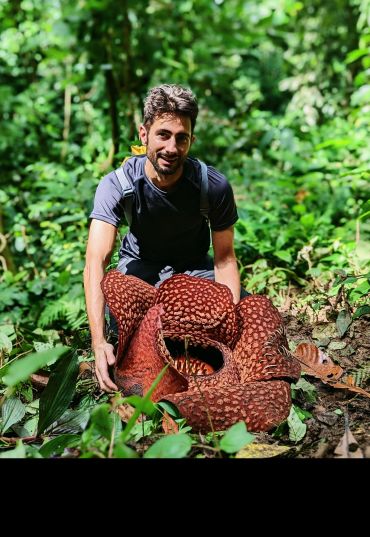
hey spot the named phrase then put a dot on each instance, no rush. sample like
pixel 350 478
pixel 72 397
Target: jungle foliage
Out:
pixel 284 94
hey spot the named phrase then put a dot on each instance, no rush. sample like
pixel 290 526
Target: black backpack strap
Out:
pixel 127 193
pixel 204 205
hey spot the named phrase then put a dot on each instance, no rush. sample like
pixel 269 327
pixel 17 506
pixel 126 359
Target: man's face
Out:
pixel 168 142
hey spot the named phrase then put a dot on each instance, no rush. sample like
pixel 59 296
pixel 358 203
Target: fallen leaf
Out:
pixel 329 418
pixel 337 345
pixel 317 363
pixel 86 370
pixel 325 330
pixel 168 424
pixel 39 379
pixel 350 387
pixel 343 321
pixel 348 447
pixel 125 412
pixel 261 451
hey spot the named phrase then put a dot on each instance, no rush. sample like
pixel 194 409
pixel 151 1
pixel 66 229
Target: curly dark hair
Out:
pixel 170 99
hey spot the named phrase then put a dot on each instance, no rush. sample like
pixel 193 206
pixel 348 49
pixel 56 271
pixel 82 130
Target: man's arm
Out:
pixel 226 267
pixel 101 242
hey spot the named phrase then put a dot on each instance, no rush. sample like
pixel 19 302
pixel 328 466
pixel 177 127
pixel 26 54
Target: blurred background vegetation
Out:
pixel 284 93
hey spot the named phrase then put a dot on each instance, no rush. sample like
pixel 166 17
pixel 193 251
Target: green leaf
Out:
pixel 5 343
pixel 308 220
pixel 170 408
pixel 71 422
pixel 59 391
pixel 362 310
pixel 308 389
pixel 175 446
pixel 284 255
pixel 147 407
pixel 19 452
pixel 236 438
pixel 297 429
pixel 356 54
pixel 121 451
pixel 13 410
pixel 56 446
pixel 102 419
pixel 131 422
pixel 21 369
pixel 343 321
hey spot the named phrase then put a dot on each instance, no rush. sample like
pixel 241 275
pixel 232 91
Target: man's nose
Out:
pixel 171 146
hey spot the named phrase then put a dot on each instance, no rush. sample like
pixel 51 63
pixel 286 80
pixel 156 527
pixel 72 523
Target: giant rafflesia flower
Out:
pixel 227 362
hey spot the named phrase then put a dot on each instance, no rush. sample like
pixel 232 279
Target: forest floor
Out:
pixel 336 413
pixel 337 420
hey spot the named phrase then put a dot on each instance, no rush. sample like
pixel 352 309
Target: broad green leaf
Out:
pixel 140 429
pixel 297 429
pixel 356 54
pixel 8 330
pixel 21 369
pixel 170 408
pixel 284 255
pixel 103 420
pixel 13 410
pixel 57 445
pixel 308 389
pixel 29 427
pixel 59 391
pixel 174 446
pixel 71 422
pixel 362 310
pixel 40 346
pixel 307 220
pixel 121 451
pixel 236 438
pixel 19 452
pixel 5 343
pixel 145 406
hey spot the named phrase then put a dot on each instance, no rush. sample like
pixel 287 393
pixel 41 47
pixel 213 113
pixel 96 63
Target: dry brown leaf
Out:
pixel 125 412
pixel 350 387
pixel 168 424
pixel 39 379
pixel 261 451
pixel 85 367
pixel 301 195
pixel 346 449
pixel 317 363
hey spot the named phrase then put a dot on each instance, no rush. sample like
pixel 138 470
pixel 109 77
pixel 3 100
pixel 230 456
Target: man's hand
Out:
pixel 104 356
pixel 100 245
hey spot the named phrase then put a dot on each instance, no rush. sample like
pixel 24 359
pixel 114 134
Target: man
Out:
pixel 168 233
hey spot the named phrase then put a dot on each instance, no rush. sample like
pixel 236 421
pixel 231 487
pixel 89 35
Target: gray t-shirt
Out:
pixel 167 227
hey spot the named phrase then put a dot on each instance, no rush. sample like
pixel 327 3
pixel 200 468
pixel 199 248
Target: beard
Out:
pixel 172 166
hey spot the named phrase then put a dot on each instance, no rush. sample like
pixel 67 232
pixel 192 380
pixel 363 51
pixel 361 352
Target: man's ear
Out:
pixel 192 140
pixel 143 135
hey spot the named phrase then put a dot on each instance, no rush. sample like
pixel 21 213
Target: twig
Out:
pixel 27 439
